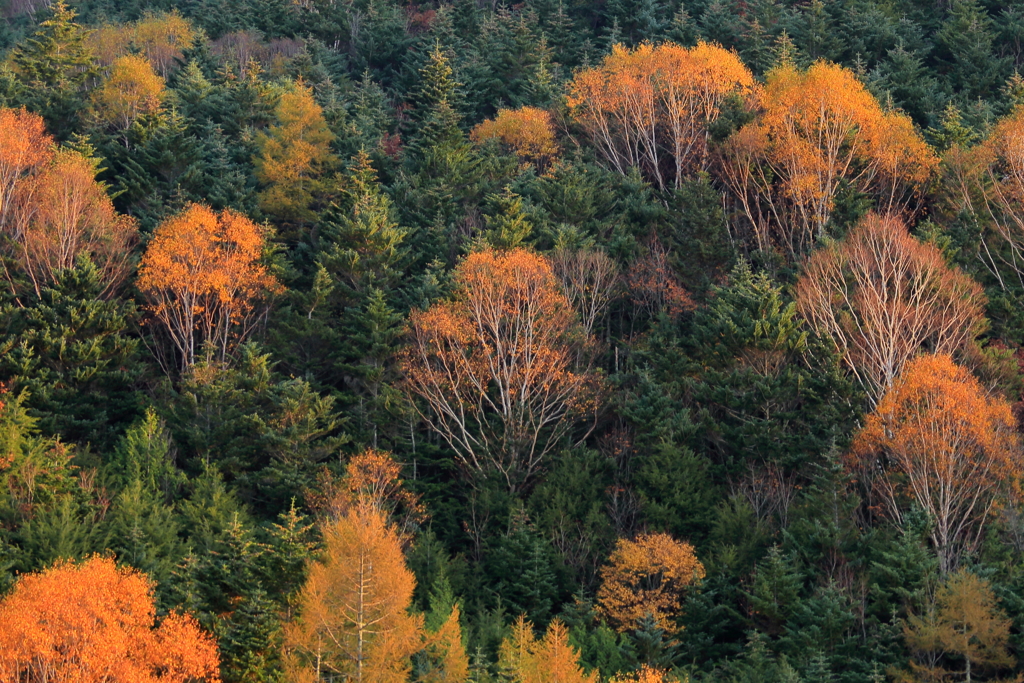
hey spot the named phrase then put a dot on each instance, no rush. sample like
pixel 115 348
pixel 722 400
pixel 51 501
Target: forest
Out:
pixel 569 341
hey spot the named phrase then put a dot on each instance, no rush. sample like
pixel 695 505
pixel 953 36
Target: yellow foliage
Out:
pixel 354 620
pixel 650 107
pixel 647 576
pixel 527 131
pixel 130 90
pixel 161 38
pixel 549 660
pixel 293 154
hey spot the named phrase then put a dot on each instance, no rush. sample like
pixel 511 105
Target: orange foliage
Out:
pixel 503 367
pixel 816 129
pixel 650 107
pixel 883 297
pixel 994 172
pixel 937 439
pixel 52 210
pixel 25 148
pixel 527 131
pixel 130 90
pixel 354 620
pixel 550 660
pixel 95 622
pixel 372 479
pixel 645 674
pixel 445 653
pixel 202 275
pixel 647 576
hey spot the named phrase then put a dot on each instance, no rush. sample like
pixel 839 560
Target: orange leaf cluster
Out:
pixel 645 674
pixel 882 297
pixel 502 367
pixel 527 131
pixel 52 209
pixel 816 129
pixel 94 622
pixel 549 660
pixel 202 275
pixel 130 90
pixel 372 479
pixel 650 107
pixel 647 576
pixel 937 439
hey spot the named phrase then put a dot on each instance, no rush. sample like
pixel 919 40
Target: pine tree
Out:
pixel 53 68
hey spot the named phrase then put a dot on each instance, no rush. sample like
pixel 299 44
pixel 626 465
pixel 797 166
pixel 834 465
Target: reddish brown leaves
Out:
pixel 883 297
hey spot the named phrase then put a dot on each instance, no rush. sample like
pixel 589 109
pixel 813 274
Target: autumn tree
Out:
pixel 160 38
pixel 552 659
pixel 937 440
pixel 93 621
pixel 589 279
pixel 816 130
pixel 988 180
pixel 354 620
pixel 883 297
pixel 647 577
pixel 130 90
pixel 650 108
pixel 961 633
pixel 294 154
pixel 59 212
pixel 528 132
pixel 502 369
pixel 25 148
pixel 206 285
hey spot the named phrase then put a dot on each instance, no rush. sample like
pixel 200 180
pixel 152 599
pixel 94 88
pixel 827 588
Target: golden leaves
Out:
pixel 938 439
pixel 527 131
pixel 650 107
pixel 203 276
pixel 503 366
pixel 647 576
pixel 815 129
pixel 53 209
pixel 93 621
pixel 549 660
pixel 130 90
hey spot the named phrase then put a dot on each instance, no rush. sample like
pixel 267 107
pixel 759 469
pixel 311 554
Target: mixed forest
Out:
pixel 572 341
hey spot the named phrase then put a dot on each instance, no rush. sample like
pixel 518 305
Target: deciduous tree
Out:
pixel 503 367
pixel 130 90
pixel 528 132
pixel 548 660
pixel 647 577
pixel 95 622
pixel 60 213
pixel 589 279
pixel 294 154
pixel 817 129
pixel 354 620
pixel 884 297
pixel 936 439
pixel 963 626
pixel 650 107
pixel 203 276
